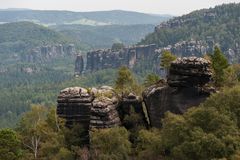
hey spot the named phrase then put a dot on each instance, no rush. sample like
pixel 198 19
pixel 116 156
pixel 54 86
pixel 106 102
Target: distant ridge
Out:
pixel 218 25
pixel 54 17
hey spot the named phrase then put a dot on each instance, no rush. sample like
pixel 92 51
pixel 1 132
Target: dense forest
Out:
pixel 104 36
pixel 219 24
pixel 39 134
pixel 29 125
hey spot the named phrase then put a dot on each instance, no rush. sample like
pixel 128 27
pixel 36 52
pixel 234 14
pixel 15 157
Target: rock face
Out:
pixel 132 104
pixel 74 104
pixel 104 108
pixel 79 65
pixel 184 89
pixel 102 59
pixel 97 107
pixel 47 52
pixel 191 47
pixel 189 72
pixel 93 108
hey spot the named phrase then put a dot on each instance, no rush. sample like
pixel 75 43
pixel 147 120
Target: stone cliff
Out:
pixel 98 108
pixel 102 107
pixel 185 88
pixel 47 52
pixel 108 58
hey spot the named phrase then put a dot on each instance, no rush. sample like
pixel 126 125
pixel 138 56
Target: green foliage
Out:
pixel 219 23
pixel 151 79
pixel 92 36
pixel 227 102
pixel 219 63
pixel 75 136
pixel 166 59
pixel 67 17
pixel 125 82
pixel 15 37
pixel 133 120
pixel 149 145
pixel 117 46
pixel 41 134
pixel 110 144
pixel 231 75
pixel 20 90
pixel 9 145
pixel 188 136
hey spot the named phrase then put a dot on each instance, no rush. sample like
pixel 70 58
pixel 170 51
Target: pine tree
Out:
pixel 125 82
pixel 219 63
pixel 166 59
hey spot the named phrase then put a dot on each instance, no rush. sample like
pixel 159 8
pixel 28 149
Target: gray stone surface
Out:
pixel 184 89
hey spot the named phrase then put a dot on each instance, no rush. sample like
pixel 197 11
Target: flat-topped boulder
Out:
pixel 189 71
pixel 74 105
pixel 184 88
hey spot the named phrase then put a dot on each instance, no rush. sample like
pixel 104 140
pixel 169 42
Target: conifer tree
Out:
pixel 219 63
pixel 166 59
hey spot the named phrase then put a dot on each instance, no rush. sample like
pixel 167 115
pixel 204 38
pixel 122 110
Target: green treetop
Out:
pixel 125 82
pixel 166 59
pixel 219 63
pixel 9 145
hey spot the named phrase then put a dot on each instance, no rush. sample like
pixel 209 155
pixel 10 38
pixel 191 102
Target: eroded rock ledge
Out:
pixel 186 87
pixel 102 107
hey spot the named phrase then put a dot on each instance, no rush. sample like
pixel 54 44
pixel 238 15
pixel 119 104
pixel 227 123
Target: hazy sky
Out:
pixel 174 7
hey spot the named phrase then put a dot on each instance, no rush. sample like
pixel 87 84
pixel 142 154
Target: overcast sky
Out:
pixel 174 7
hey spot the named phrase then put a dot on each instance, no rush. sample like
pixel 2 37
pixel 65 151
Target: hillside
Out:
pixel 88 18
pixel 220 25
pixel 20 36
pixel 105 36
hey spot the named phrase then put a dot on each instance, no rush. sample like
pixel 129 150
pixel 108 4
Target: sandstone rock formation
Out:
pixel 74 104
pixel 79 65
pixel 93 108
pixel 97 107
pixel 132 104
pixel 107 58
pixel 47 52
pixel 104 108
pixel 189 72
pixel 184 89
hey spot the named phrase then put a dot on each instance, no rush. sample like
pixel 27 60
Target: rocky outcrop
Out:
pixel 98 107
pixel 47 52
pixel 104 108
pixel 92 108
pixel 190 48
pixel 79 65
pixel 189 72
pixel 130 105
pixel 74 104
pixel 103 59
pixel 183 89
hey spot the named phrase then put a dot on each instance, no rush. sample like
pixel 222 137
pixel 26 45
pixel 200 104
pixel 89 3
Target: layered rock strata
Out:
pixel 133 104
pixel 189 72
pixel 108 58
pixel 104 108
pixel 47 52
pixel 184 89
